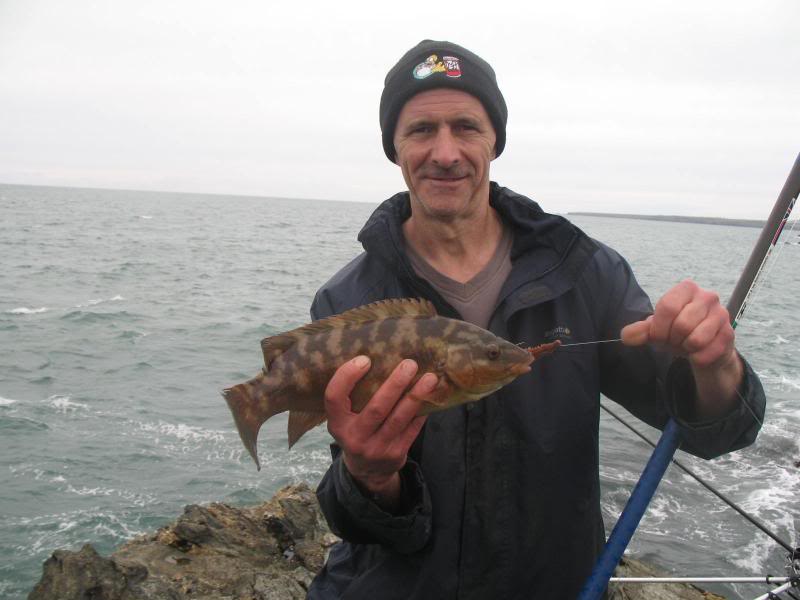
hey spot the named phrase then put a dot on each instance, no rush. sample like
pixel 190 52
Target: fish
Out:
pixel 470 363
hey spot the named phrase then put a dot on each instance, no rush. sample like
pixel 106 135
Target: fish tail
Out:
pixel 251 406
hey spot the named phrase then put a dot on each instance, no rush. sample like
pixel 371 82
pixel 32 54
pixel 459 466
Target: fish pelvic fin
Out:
pixel 301 421
pixel 251 407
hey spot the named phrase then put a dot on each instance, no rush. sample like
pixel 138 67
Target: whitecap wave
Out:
pixel 145 216
pixel 756 323
pixel 183 432
pixel 788 382
pixel 65 404
pixel 6 401
pixel 24 310
pixel 135 498
pixel 96 301
pixel 48 531
pixel 779 379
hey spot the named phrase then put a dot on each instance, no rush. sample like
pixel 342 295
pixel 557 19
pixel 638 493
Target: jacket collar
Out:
pixel 542 243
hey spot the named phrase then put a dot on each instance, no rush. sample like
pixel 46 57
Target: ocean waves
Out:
pixel 84 316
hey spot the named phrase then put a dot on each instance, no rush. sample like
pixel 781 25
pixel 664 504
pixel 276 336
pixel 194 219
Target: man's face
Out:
pixel 444 142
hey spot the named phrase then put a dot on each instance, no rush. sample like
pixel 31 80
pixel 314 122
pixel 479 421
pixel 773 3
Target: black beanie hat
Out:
pixel 430 65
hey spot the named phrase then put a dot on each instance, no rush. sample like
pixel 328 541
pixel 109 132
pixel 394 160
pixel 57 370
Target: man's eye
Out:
pixel 421 129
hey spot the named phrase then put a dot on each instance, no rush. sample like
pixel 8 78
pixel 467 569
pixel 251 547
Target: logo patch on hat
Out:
pixel 449 65
pixel 452 66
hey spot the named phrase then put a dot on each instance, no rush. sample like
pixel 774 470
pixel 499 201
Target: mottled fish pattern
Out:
pixel 470 362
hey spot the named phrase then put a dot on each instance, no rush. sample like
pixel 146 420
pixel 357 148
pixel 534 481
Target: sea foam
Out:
pixel 183 432
pixel 96 301
pixel 64 403
pixel 23 310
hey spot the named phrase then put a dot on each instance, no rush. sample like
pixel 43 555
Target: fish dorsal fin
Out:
pixel 383 309
pixel 274 346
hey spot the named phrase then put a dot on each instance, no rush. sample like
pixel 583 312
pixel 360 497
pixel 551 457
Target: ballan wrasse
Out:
pixel 470 362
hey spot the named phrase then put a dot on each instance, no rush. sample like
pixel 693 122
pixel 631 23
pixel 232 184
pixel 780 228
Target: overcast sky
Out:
pixel 657 107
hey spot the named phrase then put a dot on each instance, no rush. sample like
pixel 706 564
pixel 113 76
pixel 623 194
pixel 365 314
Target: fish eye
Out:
pixel 492 351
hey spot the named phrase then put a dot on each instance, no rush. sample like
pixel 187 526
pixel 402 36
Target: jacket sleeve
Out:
pixel 356 518
pixel 654 386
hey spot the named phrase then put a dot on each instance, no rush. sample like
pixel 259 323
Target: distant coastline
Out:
pixel 679 219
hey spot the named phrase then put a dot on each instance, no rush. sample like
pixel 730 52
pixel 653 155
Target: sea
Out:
pixel 123 314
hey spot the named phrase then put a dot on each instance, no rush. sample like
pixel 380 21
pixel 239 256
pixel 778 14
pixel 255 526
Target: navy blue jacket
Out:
pixel 501 498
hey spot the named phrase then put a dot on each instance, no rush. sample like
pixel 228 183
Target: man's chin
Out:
pixel 441 208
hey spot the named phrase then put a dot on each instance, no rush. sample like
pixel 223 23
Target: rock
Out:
pixel 85 574
pixel 629 567
pixel 267 552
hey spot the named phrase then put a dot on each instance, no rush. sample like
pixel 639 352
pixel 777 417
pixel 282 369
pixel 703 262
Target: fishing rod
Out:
pixel 628 521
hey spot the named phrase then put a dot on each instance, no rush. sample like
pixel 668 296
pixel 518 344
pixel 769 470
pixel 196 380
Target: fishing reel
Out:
pixel 793 570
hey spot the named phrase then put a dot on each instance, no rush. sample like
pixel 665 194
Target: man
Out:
pixel 500 498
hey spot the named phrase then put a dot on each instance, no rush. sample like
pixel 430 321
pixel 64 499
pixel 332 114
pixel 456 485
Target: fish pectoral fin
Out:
pixel 438 398
pixel 301 421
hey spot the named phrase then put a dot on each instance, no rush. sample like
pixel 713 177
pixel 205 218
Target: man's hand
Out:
pixel 690 321
pixel 375 442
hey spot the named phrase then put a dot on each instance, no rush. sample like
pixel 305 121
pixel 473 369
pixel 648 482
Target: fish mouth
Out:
pixel 520 369
pixel 524 359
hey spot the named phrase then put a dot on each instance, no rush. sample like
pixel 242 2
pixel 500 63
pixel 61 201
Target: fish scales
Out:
pixel 469 362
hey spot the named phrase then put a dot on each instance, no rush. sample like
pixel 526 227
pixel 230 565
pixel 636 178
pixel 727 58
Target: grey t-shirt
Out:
pixel 476 299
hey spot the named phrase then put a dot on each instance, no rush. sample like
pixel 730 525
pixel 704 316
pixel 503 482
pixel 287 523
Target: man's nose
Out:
pixel 445 152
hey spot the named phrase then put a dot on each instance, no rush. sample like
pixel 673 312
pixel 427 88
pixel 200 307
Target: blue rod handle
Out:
pixel 626 526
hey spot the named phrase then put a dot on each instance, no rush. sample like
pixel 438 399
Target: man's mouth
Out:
pixel 447 179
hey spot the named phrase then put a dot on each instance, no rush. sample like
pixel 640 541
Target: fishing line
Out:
pixel 594 342
pixel 742 292
pixel 757 289
pixel 738 393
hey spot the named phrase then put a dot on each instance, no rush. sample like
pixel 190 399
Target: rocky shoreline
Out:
pixel 266 552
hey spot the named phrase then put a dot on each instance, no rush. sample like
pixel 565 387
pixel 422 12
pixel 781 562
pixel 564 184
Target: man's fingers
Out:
pixel 407 408
pixel 404 440
pixel 668 308
pixel 388 395
pixel 337 393
pixel 704 333
pixel 711 341
pixel 636 334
